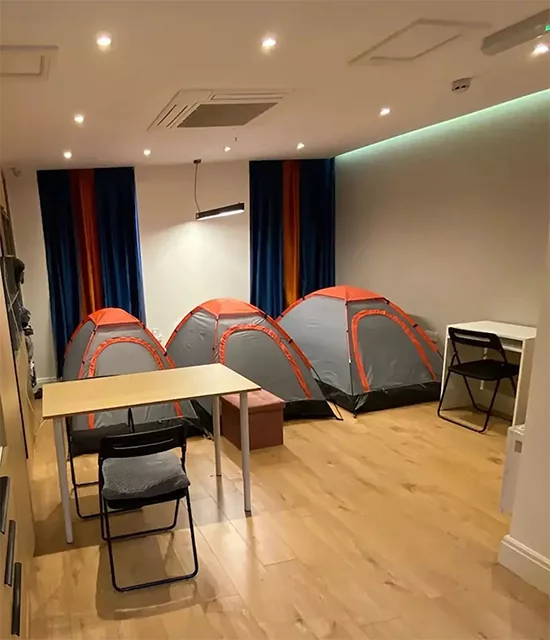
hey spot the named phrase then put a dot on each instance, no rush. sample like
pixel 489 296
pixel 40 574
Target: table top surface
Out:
pixel 61 399
pixel 502 329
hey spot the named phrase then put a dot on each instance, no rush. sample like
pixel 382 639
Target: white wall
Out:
pixel 29 244
pixel 451 222
pixel 186 262
pixel 526 550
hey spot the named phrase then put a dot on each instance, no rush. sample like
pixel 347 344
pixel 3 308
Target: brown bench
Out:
pixel 265 419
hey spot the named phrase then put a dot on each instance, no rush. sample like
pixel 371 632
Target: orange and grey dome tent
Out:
pixel 367 352
pixel 250 342
pixel 111 342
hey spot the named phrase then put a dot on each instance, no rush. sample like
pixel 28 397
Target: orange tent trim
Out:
pixel 254 327
pixel 418 328
pixel 347 293
pixel 111 315
pixel 228 307
pixel 406 329
pixel 342 292
pixel 125 339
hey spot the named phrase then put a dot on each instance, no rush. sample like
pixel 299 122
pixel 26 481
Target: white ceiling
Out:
pixel 163 47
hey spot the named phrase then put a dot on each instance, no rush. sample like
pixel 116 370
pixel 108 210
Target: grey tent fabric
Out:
pixel 113 332
pixel 112 342
pixel 250 342
pixel 323 318
pixel 387 366
pixel 143 477
pixel 283 381
pixel 123 355
pixel 195 341
pixel 367 353
pixel 76 349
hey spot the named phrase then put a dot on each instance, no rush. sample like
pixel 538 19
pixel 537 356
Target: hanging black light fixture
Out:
pixel 218 212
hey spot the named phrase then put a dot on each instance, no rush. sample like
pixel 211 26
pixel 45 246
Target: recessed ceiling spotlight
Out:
pixel 540 49
pixel 385 111
pixel 226 149
pixel 147 152
pixel 104 41
pixel 67 155
pixel 79 118
pixel 268 43
pixel 300 145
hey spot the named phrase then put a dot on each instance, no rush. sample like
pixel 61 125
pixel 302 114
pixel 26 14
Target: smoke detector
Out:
pixel 461 85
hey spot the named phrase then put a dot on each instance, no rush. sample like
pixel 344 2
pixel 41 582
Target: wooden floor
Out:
pixel 383 527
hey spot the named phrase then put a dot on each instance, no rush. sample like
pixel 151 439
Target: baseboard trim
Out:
pixel 529 565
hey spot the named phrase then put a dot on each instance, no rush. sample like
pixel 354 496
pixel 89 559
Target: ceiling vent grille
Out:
pixel 416 40
pixel 208 108
pixel 26 61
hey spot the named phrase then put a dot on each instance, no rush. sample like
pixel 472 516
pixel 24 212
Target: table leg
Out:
pixel 62 472
pixel 245 451
pixel 217 433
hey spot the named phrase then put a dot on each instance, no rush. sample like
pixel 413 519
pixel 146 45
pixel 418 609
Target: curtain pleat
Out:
pixel 84 207
pixel 91 236
pixel 119 245
pixel 266 235
pixel 317 225
pixel 61 256
pixel 291 231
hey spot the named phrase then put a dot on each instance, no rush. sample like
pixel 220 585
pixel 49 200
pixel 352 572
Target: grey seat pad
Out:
pixel 143 477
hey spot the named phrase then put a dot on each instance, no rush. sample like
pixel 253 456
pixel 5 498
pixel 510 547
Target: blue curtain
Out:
pixel 317 232
pixel 61 256
pixel 118 234
pixel 266 236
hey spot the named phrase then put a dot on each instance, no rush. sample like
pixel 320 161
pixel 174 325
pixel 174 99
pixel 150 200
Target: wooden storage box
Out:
pixel 265 419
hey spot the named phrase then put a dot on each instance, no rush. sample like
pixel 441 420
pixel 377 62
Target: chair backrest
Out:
pixel 478 339
pixel 144 443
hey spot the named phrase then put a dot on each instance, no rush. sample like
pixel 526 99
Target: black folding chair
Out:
pixel 85 442
pixel 137 470
pixel 486 369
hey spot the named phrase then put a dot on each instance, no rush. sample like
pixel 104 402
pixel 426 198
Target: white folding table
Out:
pixel 515 338
pixel 64 399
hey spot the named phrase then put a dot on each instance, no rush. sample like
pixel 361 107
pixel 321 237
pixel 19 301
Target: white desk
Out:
pixel 515 338
pixel 63 399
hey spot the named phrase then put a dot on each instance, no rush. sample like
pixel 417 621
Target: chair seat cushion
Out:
pixel 486 369
pixel 143 477
pixel 258 401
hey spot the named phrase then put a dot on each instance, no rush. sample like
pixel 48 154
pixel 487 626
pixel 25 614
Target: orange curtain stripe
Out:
pixel 83 196
pixel 291 230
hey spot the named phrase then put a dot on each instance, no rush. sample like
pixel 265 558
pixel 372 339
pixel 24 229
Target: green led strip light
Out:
pixel 540 95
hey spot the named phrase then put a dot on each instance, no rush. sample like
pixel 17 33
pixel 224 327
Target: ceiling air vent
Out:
pixel 208 108
pixel 415 41
pixel 26 61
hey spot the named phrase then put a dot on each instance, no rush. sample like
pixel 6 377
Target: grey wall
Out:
pixel 451 222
